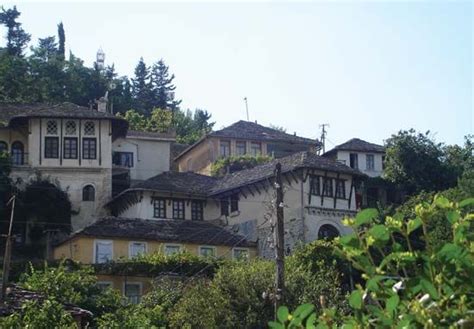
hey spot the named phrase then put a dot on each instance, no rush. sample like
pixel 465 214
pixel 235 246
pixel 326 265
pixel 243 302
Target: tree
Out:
pixel 17 38
pixel 142 89
pixel 415 162
pixel 61 41
pixel 163 87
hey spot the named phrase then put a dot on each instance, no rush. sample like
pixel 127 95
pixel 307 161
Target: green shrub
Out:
pixel 232 164
pixel 39 315
pixel 131 317
pixel 404 287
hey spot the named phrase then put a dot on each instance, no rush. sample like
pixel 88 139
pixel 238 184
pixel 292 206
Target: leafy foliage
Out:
pixel 45 315
pixel 232 164
pixel 405 287
pixel 416 163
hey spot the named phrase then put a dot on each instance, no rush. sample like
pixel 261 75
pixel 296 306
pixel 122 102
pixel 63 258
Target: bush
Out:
pixel 405 287
pixel 39 315
pixel 131 317
pixel 233 164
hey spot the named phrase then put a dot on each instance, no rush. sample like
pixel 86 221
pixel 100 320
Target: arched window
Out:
pixel 18 155
pixel 88 193
pixel 328 232
pixel 3 147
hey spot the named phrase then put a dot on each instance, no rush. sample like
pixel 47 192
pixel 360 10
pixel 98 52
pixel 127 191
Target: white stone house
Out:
pixel 318 194
pixel 67 143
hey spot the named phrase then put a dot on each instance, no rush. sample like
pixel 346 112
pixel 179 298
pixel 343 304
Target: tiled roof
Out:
pixel 356 144
pixel 152 135
pixel 10 113
pixel 178 182
pixel 177 231
pixel 253 131
pixel 17 296
pixel 288 163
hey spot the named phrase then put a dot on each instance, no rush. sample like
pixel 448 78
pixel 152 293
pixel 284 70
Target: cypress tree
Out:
pixel 62 41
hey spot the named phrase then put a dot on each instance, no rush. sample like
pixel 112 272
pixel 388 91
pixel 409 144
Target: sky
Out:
pixel 368 69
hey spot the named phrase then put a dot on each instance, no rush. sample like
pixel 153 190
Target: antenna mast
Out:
pixel 247 108
pixel 323 135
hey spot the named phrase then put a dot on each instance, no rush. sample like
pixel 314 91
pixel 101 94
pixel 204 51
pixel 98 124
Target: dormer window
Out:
pixel 52 127
pixel 71 128
pixel 89 128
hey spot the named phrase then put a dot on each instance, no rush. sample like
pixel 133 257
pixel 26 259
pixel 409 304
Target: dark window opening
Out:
pixel 327 187
pixel 123 159
pixel 178 209
pixel 340 189
pixel 315 185
pixel 70 148
pixel 225 148
pixel 197 210
pixel 51 147
pixel 89 148
pixel 159 208
pixel 354 160
pixel 3 147
pixel 240 148
pixel 234 203
pixel 18 154
pixel 88 193
pixel 327 232
pixel 224 207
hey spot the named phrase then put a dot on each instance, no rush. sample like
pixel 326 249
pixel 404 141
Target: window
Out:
pixel 240 148
pixel 123 159
pixel 71 128
pixel 314 187
pixel 327 187
pixel 18 155
pixel 3 147
pixel 369 159
pixel 197 210
pixel 171 249
pixel 103 251
pixel 207 251
pixel 224 207
pixel 104 285
pixel 354 161
pixel 133 292
pixel 159 208
pixel 234 203
pixel 89 148
pixel 89 128
pixel 255 148
pixel 88 193
pixel 340 189
pixel 136 248
pixel 178 209
pixel 70 148
pixel 52 127
pixel 51 147
pixel 225 148
pixel 240 253
pixel 328 232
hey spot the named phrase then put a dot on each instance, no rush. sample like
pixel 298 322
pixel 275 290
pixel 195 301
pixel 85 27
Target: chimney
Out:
pixel 102 102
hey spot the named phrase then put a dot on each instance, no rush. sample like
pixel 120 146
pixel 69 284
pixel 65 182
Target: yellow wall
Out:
pixel 118 282
pixel 81 249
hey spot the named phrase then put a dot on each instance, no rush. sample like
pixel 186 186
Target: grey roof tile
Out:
pixel 356 144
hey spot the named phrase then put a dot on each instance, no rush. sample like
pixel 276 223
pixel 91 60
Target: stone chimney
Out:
pixel 102 103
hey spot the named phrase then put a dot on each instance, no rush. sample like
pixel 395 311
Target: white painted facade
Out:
pixel 151 156
pixel 304 213
pixel 363 163
pixel 73 172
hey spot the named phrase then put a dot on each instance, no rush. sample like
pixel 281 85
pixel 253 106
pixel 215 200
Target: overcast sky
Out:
pixel 366 68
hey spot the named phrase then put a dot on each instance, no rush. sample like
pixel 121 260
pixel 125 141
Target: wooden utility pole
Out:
pixel 7 256
pixel 279 241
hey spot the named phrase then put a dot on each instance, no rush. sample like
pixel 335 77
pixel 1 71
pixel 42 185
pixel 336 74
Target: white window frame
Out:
pixel 130 248
pixel 367 157
pixel 140 284
pixel 240 249
pixel 209 247
pixel 180 246
pixel 95 250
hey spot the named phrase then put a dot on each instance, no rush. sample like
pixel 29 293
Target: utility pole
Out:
pixel 8 247
pixel 247 108
pixel 279 241
pixel 323 135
